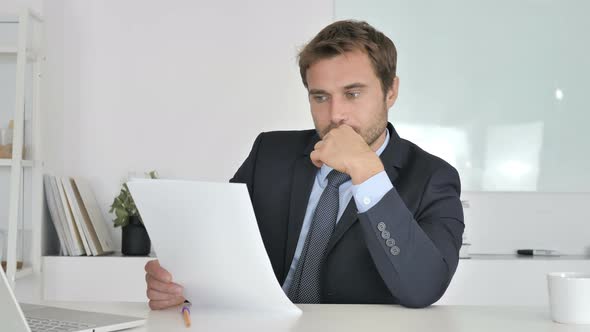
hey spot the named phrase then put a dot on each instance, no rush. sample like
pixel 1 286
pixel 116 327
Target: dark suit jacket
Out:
pixel 422 213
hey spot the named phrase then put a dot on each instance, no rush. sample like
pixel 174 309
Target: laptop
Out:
pixel 32 318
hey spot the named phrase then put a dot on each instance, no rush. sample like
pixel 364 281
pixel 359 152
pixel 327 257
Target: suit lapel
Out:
pixel 303 179
pixel 349 217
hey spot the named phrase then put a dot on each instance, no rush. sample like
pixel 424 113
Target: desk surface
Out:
pixel 346 318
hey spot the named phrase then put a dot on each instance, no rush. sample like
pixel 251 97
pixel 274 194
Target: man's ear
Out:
pixel 392 93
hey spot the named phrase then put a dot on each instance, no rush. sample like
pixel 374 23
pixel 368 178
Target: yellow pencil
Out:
pixel 186 313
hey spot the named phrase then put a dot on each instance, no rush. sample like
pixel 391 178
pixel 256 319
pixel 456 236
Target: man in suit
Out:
pixel 348 212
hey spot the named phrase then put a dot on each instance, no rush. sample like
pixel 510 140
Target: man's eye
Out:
pixel 353 94
pixel 319 98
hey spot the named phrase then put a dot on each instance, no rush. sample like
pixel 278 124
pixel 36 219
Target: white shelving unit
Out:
pixel 508 279
pixel 480 280
pixel 28 62
pixel 112 278
pixel 13 51
pixel 23 163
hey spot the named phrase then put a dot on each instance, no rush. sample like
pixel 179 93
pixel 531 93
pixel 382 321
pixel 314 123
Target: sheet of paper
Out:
pixel 206 235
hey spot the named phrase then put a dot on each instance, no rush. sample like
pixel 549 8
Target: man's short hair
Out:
pixel 346 36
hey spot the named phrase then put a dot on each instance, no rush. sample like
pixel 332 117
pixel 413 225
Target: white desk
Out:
pixel 347 318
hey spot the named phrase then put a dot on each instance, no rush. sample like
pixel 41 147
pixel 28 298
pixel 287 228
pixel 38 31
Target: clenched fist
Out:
pixel 161 291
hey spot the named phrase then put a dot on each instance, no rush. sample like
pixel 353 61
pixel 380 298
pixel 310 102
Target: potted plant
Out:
pixel 135 240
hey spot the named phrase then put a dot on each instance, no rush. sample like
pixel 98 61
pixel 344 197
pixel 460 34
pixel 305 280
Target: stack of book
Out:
pixel 77 218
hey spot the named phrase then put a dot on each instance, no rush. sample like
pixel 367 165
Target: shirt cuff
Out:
pixel 369 193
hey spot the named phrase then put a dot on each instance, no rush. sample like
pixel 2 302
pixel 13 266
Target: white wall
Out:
pixel 133 86
pixel 185 86
pixel 182 87
pixel 13 6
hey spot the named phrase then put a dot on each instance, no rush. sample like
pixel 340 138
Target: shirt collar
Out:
pixel 325 169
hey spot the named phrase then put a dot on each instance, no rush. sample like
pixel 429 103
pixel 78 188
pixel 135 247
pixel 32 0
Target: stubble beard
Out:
pixel 370 135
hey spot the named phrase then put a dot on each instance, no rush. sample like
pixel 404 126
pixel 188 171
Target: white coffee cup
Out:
pixel 569 297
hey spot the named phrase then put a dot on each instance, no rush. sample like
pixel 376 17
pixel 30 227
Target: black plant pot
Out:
pixel 135 240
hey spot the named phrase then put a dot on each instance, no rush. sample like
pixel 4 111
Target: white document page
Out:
pixel 206 235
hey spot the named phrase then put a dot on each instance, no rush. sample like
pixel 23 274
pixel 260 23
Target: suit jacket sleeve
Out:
pixel 418 268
